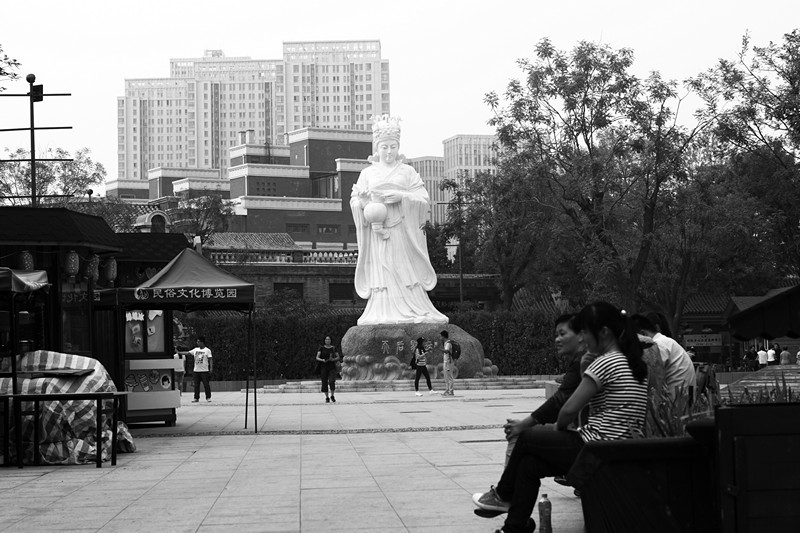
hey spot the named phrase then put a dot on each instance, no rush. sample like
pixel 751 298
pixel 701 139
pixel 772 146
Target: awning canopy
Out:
pixel 22 281
pixel 776 316
pixel 188 283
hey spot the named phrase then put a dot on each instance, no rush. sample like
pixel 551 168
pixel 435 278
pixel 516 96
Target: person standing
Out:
pixel 203 367
pixel 447 364
pixel 785 356
pixel 328 356
pixel 421 360
pixel 771 359
pixel 762 358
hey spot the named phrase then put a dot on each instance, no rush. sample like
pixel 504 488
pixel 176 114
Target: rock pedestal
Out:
pixel 384 351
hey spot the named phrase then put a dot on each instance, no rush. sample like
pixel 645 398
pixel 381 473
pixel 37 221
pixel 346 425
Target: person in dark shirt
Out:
pixel 570 348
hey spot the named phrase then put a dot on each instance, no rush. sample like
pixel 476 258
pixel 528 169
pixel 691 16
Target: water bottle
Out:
pixel 545 510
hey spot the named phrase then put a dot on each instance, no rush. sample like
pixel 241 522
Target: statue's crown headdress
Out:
pixel 385 127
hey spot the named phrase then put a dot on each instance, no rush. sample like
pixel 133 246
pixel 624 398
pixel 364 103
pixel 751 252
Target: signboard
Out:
pixel 704 339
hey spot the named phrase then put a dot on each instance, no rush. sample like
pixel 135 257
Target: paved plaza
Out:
pixel 374 461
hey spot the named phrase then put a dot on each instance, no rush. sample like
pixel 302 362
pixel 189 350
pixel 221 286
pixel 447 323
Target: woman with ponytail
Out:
pixel 614 386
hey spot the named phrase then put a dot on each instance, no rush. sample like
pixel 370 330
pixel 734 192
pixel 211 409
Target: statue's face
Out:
pixel 388 150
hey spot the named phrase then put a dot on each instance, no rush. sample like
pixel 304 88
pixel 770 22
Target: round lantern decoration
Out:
pixel 26 260
pixel 93 268
pixel 72 264
pixel 110 269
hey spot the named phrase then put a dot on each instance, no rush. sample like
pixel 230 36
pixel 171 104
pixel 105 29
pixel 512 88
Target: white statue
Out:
pixel 389 203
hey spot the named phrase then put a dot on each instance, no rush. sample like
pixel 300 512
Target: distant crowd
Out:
pixel 769 355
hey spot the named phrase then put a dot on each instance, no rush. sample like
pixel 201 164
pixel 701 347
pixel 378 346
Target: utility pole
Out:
pixel 35 94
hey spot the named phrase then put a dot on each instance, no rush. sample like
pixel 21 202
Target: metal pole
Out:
pixel 31 79
pixel 460 274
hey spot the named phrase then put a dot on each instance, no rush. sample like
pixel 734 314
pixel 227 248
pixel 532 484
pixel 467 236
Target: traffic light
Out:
pixel 37 93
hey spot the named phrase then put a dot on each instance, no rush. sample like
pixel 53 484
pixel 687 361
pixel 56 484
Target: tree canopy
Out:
pixel 630 200
pixel 7 67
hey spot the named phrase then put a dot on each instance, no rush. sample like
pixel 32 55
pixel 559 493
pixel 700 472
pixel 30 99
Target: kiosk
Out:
pixel 143 327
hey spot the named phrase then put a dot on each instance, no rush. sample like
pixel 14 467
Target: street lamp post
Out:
pixel 30 78
pixel 34 94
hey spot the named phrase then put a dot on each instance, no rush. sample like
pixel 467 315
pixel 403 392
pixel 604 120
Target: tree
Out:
pixel 436 238
pixel 506 223
pixel 606 145
pixel 7 67
pixel 118 214
pixel 711 241
pixel 202 216
pixel 755 98
pixel 57 182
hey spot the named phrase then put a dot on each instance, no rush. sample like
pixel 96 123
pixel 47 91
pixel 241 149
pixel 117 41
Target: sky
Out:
pixel 444 56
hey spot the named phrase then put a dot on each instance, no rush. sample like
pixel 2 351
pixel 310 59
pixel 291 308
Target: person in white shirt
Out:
pixel 202 368
pixel 762 358
pixel 771 355
pixel 678 367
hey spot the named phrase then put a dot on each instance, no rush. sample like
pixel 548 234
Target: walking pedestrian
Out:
pixel 203 367
pixel 328 356
pixel 447 364
pixel 421 358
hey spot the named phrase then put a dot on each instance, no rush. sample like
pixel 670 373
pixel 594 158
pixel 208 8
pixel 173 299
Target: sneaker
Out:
pixel 333 399
pixel 432 392
pixel 530 527
pixel 562 480
pixel 208 399
pixel 195 401
pixel 327 400
pixel 490 501
pixel 418 393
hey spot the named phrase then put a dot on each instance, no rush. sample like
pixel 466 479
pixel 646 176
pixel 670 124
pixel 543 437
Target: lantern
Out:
pixel 72 264
pixel 110 270
pixel 93 268
pixel 26 260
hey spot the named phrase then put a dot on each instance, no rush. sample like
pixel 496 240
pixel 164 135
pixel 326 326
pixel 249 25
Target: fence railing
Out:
pixel 267 257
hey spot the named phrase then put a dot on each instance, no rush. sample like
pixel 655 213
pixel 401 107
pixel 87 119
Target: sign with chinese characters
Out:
pixel 705 339
pixel 185 294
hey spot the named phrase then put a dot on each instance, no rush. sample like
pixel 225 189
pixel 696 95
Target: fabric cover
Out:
pixel 22 281
pixel 67 429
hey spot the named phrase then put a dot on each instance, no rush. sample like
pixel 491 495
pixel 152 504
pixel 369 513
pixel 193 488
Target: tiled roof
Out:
pixel 743 302
pixel 53 226
pixel 116 220
pixel 250 241
pixel 706 304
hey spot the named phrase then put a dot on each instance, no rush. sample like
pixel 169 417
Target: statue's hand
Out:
pixel 392 197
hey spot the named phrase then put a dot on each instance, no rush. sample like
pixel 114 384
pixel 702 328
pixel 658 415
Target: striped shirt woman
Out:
pixel 620 403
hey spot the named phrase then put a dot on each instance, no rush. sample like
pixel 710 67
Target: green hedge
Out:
pixel 285 345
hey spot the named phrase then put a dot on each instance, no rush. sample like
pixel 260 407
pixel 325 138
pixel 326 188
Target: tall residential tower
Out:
pixel 193 117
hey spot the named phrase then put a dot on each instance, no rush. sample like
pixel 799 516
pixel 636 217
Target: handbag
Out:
pixel 413 363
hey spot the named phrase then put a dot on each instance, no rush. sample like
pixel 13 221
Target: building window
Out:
pixel 327 229
pixel 341 293
pixel 296 228
pixel 292 290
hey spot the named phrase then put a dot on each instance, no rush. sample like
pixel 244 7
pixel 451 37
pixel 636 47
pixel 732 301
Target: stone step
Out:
pixel 498 383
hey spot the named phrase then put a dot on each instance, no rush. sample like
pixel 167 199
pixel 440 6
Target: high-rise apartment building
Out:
pixel 465 155
pixel 192 118
pixel 431 170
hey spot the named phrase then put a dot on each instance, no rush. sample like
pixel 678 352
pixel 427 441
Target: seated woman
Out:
pixel 614 386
